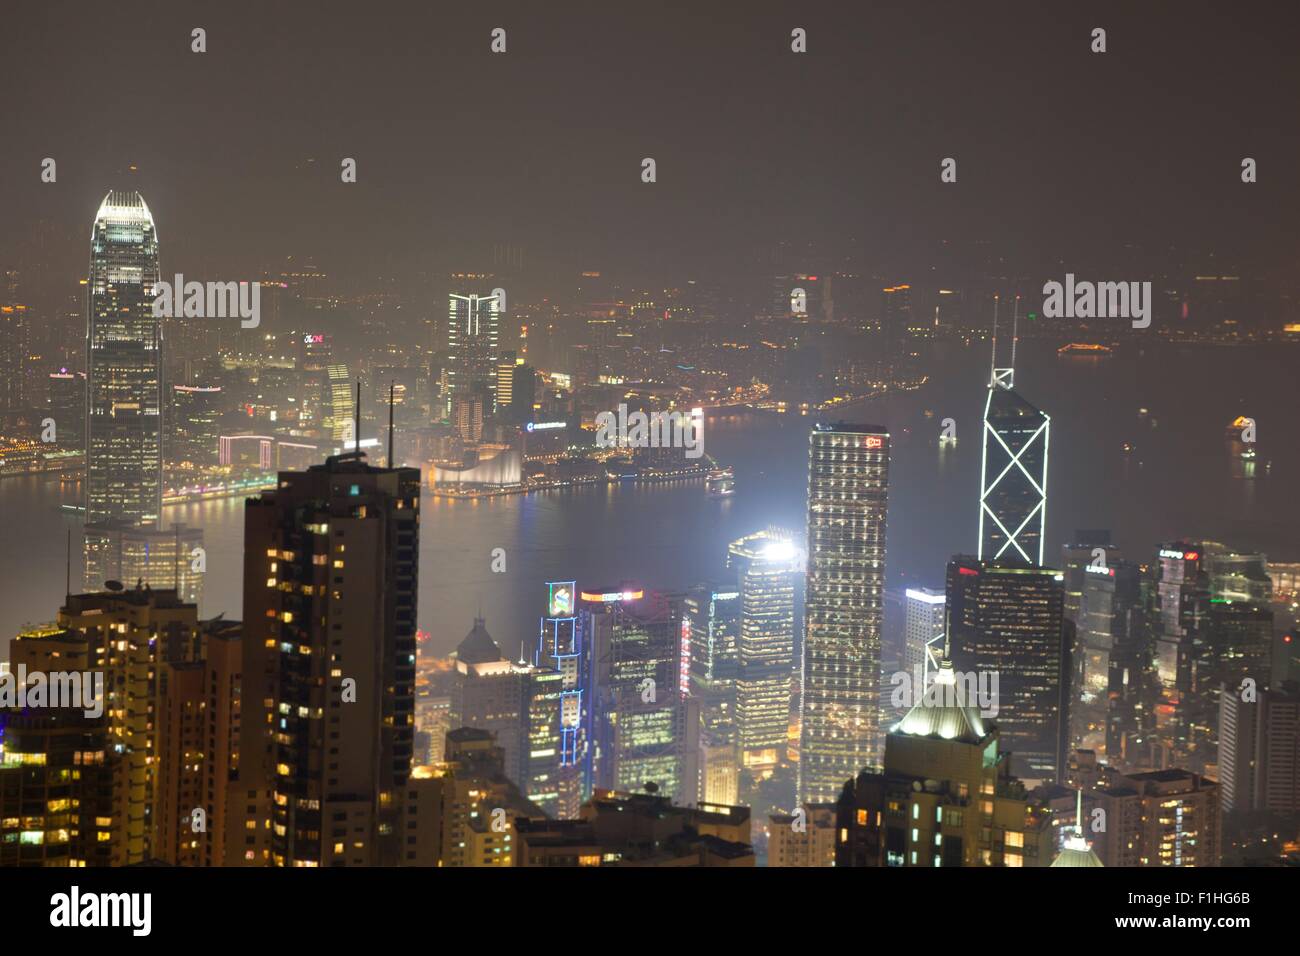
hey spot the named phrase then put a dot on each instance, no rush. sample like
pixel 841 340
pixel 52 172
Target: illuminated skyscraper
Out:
pixel 330 588
pixel 848 478
pixel 923 631
pixel 1007 621
pixel 643 731
pixel 124 367
pixel 714 615
pixel 473 332
pixel 195 426
pixel 1013 473
pixel 767 565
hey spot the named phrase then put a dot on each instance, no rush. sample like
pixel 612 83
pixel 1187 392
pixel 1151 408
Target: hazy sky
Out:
pixel 238 149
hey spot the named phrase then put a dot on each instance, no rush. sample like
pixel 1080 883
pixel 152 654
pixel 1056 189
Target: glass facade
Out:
pixel 124 367
pixel 848 478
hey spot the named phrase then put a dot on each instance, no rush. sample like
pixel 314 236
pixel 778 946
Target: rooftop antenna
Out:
pixel 993 359
pixel 356 421
pixel 390 424
pixel 1015 325
pixel 1002 377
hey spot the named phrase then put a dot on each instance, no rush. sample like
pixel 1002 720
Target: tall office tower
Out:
pixel 66 395
pixel 1206 641
pixel 1109 606
pixel 1159 818
pixel 714 615
pixel 767 566
pixel 505 381
pixel 945 797
pixel 57 805
pixel 1013 473
pixel 805 839
pixel 338 408
pixel 160 558
pixel 195 426
pixel 467 413
pixel 523 393
pixel 1259 751
pixel 1007 620
pixel 1134 689
pixel 643 729
pixel 198 741
pixel 923 631
pixel 15 328
pixel 123 367
pixel 1088 549
pixel 848 480
pixel 330 586
pixel 473 333
pixel 490 693
pixel 564 660
pixel 127 635
pixel 905 332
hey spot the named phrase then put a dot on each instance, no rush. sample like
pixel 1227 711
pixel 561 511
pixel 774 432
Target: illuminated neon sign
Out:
pixel 545 426
pixel 612 597
pixel 873 442
pixel 559 601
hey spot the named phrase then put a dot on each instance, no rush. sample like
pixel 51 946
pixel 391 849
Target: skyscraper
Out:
pixel 123 367
pixel 848 478
pixel 642 726
pixel 714 615
pixel 330 586
pixel 767 565
pixel 923 630
pixel 473 331
pixel 1013 474
pixel 1007 621
pixel 946 795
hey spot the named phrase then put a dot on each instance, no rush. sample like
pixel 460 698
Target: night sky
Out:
pixel 1063 155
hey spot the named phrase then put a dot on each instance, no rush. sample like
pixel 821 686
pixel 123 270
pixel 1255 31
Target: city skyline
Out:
pixel 826 438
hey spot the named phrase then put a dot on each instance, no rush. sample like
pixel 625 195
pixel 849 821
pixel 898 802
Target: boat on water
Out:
pixel 720 483
pixel 1084 350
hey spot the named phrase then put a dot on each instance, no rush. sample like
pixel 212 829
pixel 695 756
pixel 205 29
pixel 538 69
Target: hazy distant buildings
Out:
pixel 195 425
pixel 172 558
pixel 848 478
pixel 1007 621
